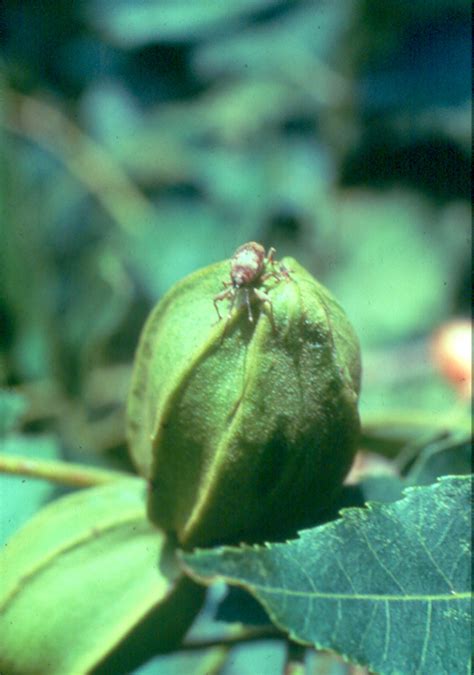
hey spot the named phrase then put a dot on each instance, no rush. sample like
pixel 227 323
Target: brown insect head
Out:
pixel 250 268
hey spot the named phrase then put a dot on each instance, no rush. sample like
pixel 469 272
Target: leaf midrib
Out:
pixel 442 597
pixel 91 533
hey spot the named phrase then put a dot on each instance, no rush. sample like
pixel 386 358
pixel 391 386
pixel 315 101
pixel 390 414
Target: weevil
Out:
pixel 248 271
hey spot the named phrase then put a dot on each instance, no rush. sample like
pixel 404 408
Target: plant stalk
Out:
pixel 73 475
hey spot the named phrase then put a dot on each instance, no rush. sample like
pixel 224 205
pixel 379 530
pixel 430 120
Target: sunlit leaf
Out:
pixel 21 496
pixel 83 575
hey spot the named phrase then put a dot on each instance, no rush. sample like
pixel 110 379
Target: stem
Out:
pixel 74 475
pixel 248 635
pixel 456 419
pixel 295 656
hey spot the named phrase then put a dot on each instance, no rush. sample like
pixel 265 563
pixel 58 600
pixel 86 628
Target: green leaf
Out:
pixel 81 578
pixel 387 586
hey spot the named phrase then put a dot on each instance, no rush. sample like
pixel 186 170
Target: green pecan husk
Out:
pixel 245 430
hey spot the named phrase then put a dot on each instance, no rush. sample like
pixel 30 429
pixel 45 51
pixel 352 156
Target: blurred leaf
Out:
pixel 265 657
pixel 20 498
pixel 26 274
pixel 188 237
pixel 408 415
pixel 401 419
pixel 133 24
pixel 395 415
pixel 237 111
pixel 402 571
pixel 382 489
pixel 12 407
pixel 436 76
pixel 81 576
pixel 323 663
pixel 304 33
pixel 100 295
pixel 451 455
pixel 110 113
pixel 396 279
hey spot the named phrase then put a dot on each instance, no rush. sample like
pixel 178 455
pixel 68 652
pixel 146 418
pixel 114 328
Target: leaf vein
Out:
pixel 380 562
pixel 387 631
pixel 424 650
pixel 372 597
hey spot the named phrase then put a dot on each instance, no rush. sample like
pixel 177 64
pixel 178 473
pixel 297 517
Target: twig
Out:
pixel 66 473
pixel 247 635
pixel 417 420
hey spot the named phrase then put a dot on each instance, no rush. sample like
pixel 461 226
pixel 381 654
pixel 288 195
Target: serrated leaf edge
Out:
pixel 368 506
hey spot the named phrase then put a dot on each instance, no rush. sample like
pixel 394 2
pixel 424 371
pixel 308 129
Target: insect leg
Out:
pixel 263 297
pixel 247 300
pixel 218 298
pixel 270 256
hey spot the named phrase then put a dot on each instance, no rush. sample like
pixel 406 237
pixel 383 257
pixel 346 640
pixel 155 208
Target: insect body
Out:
pixel 249 269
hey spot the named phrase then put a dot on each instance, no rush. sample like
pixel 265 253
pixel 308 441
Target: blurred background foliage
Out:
pixel 142 139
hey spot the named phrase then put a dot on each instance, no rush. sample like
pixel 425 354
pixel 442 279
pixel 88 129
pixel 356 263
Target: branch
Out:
pixel 74 475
